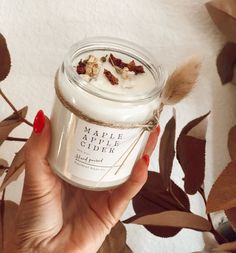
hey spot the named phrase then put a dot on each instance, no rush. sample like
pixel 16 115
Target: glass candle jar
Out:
pixel 107 95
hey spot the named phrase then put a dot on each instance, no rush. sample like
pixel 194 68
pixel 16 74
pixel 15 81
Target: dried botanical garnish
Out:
pixel 103 58
pixel 136 69
pixel 116 62
pixel 88 67
pixel 92 67
pixel 112 79
pixel 81 67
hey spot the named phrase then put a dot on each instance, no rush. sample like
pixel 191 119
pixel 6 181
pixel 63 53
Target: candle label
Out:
pixel 104 154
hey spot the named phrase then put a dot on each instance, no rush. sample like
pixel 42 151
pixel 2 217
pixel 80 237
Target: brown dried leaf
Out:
pixel 232 142
pixel 223 13
pixel 5 60
pixel 191 153
pixel 115 242
pixel 16 168
pixel 177 219
pixel 11 122
pixel 167 151
pixel 111 78
pixel 226 63
pixel 10 211
pixel 231 246
pixel 181 82
pixel 3 165
pixel 154 198
pixel 223 193
pixel 231 215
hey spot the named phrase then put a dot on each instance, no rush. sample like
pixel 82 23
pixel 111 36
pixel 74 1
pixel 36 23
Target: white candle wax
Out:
pixel 99 151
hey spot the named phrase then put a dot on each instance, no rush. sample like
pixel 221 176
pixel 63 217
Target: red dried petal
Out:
pixel 131 66
pixel 112 79
pixel 134 68
pixel 117 62
pixel 81 67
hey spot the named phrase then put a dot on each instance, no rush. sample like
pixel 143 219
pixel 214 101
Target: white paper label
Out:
pixel 104 154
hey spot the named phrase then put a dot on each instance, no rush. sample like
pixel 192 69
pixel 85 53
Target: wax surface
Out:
pixel 134 85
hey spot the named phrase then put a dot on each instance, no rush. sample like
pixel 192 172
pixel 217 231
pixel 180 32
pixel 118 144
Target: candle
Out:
pixel 107 96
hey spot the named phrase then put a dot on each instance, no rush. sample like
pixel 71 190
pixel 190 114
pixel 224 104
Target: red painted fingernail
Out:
pixel 158 129
pixel 39 122
pixel 146 159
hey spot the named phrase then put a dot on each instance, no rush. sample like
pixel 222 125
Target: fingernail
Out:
pixel 158 129
pixel 146 159
pixel 39 122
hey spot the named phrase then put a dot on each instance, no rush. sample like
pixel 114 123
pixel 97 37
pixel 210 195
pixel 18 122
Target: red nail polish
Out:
pixel 146 159
pixel 39 122
pixel 158 129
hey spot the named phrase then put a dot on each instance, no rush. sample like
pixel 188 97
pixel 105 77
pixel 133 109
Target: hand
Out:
pixel 55 217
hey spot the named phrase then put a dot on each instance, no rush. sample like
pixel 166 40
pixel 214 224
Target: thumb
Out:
pixel 38 174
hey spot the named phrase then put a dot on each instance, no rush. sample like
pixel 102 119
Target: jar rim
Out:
pixel 121 46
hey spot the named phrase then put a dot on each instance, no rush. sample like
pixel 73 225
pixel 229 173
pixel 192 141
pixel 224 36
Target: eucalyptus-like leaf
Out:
pixel 167 151
pixel 191 153
pixel 232 142
pixel 154 198
pixel 16 168
pixel 5 60
pixel 223 192
pixel 223 13
pixel 226 63
pixel 181 82
pixel 115 242
pixel 11 122
pixel 177 219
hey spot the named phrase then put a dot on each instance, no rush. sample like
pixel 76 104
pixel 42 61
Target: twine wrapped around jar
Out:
pixel 148 126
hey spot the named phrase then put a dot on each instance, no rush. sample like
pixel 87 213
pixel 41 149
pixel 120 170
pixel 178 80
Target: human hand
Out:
pixel 55 217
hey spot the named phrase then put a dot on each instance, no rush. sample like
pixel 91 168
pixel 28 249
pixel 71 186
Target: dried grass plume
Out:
pixel 181 82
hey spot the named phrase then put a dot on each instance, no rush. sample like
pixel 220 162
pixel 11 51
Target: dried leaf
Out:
pixel 176 219
pixel 115 242
pixel 3 165
pixel 223 13
pixel 167 151
pixel 9 218
pixel 16 168
pixel 232 142
pixel 181 82
pixel 231 215
pixel 5 60
pixel 226 63
pixel 154 198
pixel 111 78
pixel 226 246
pixel 223 193
pixel 11 122
pixel 191 153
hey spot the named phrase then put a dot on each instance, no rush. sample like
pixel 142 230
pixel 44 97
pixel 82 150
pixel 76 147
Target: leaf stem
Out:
pixel 14 109
pixel 16 139
pixel 2 209
pixel 219 238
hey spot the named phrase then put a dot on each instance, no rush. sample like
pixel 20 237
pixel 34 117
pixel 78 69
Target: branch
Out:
pixel 16 139
pixel 14 109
